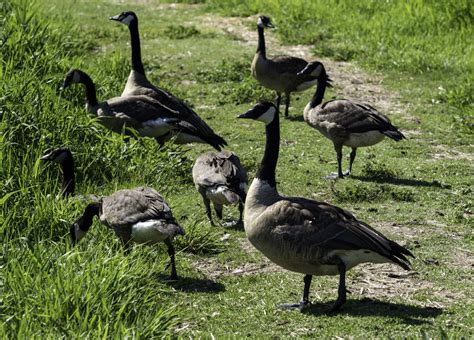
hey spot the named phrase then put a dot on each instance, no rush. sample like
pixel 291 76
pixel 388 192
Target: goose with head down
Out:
pixel 137 215
pixel 279 73
pixel 220 178
pixel 138 84
pixel 345 122
pixel 306 236
pixel 142 113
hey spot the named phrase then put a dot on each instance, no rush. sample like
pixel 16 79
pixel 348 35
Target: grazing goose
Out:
pixel 345 122
pixel 65 159
pixel 138 84
pixel 140 215
pixel 148 116
pixel 279 73
pixel 306 236
pixel 220 178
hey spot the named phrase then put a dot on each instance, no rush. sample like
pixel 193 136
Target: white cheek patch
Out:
pixel 76 77
pixel 259 22
pixel 268 116
pixel 127 20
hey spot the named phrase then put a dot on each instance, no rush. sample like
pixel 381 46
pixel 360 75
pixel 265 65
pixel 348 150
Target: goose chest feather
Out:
pixel 303 235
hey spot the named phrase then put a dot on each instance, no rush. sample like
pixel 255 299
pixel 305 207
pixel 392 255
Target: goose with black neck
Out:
pixel 306 236
pixel 345 122
pixel 138 84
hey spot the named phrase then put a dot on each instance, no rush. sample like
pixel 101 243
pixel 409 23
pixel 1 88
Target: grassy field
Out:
pixel 418 192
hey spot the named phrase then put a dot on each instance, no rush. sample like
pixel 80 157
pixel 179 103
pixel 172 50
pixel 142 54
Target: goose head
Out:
pixel 125 18
pixel 316 69
pixel 73 77
pixel 81 226
pixel 264 21
pixel 264 112
pixel 60 155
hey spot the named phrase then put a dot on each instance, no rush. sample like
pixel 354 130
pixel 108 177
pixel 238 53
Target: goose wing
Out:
pixel 190 120
pixel 127 207
pixel 320 227
pixel 356 117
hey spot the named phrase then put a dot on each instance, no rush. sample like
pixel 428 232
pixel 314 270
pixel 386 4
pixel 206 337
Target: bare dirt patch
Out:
pixel 445 152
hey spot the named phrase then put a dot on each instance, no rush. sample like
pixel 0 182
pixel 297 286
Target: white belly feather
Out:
pixel 148 232
pixel 364 139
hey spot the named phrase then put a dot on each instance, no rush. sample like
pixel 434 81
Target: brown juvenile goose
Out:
pixel 279 73
pixel 345 122
pixel 148 116
pixel 139 215
pixel 138 84
pixel 220 178
pixel 306 236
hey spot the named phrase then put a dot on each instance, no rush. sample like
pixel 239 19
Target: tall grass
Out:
pixel 45 286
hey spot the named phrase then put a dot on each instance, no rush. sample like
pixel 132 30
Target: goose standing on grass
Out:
pixel 345 122
pixel 220 178
pixel 137 215
pixel 149 117
pixel 279 73
pixel 138 84
pixel 64 158
pixel 305 236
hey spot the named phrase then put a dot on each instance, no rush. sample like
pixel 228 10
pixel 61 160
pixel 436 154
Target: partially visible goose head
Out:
pixel 264 112
pixel 126 18
pixel 60 155
pixel 264 21
pixel 81 226
pixel 73 77
pixel 316 69
pixel 64 157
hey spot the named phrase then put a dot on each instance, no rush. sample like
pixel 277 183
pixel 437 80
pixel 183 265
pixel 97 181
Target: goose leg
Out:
pixel 287 103
pixel 305 301
pixel 341 291
pixel 218 209
pixel 278 100
pixel 351 160
pixel 241 211
pixel 207 204
pixel 171 252
pixel 339 173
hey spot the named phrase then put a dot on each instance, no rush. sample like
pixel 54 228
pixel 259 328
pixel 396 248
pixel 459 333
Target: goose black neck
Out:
pixel 68 176
pixel 261 42
pixel 91 96
pixel 266 172
pixel 137 64
pixel 320 90
pixel 93 209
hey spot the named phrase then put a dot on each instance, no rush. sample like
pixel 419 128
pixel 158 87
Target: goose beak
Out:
pixel 115 17
pixel 246 115
pixel 46 156
pixel 303 72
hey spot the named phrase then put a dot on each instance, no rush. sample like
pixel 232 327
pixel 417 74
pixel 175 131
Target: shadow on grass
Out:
pixel 412 315
pixel 401 181
pixel 192 284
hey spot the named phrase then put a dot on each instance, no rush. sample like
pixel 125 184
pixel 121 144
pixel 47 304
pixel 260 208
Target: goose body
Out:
pixel 303 235
pixel 345 122
pixel 138 215
pixel 147 116
pixel 220 178
pixel 280 73
pixel 139 85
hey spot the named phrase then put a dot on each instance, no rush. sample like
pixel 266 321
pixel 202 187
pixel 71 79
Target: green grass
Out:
pixel 418 191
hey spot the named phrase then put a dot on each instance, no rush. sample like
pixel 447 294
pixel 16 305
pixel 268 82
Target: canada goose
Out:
pixel 306 236
pixel 138 84
pixel 140 215
pixel 64 158
pixel 279 73
pixel 220 178
pixel 148 116
pixel 345 122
